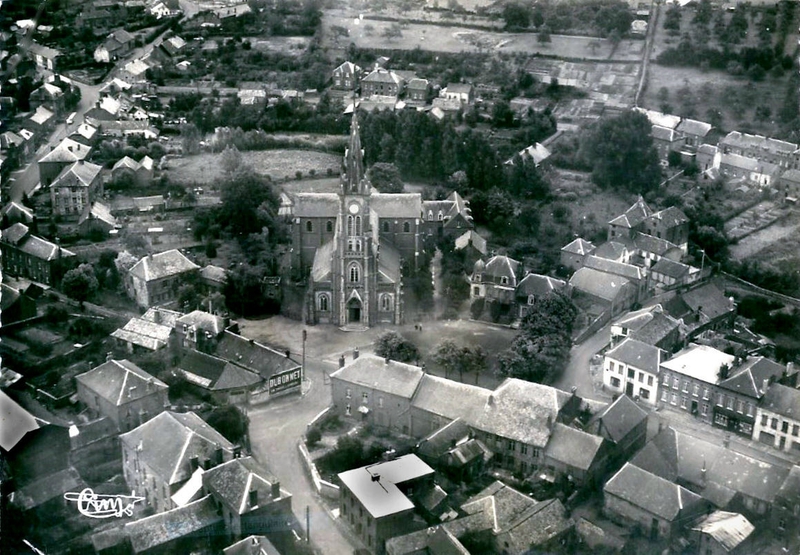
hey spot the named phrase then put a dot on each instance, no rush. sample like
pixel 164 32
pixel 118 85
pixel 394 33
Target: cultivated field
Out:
pixel 780 241
pixel 439 38
pixel 278 164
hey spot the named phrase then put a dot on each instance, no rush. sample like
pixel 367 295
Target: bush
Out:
pixel 313 436
pixel 55 314
pixel 476 309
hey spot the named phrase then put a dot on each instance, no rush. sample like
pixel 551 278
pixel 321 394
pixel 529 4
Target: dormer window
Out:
pixel 531 299
pixel 440 217
pixel 477 277
pixel 503 280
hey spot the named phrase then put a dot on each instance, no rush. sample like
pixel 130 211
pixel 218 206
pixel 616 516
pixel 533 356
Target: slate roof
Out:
pixel 470 237
pixel 232 482
pixel 419 542
pixel 536 526
pixel 348 67
pixel 748 378
pixel 161 265
pixel 389 267
pixel 651 244
pixel 634 215
pixel 654 331
pixel 16 420
pixel 170 440
pixel 789 492
pixel 783 400
pixel 162 316
pixel 162 528
pixel 396 378
pixel 670 268
pixel 670 217
pixel 252 545
pixel 323 262
pixel 610 250
pixel 126 162
pixel 316 205
pixel 214 373
pixel 17 211
pixel 618 419
pixel 659 118
pixel 98 211
pixel 382 497
pixel 649 492
pixel 572 447
pixel 35 246
pixel 120 382
pixel 728 529
pixel 520 411
pixel 41 116
pixel 214 273
pixel 381 75
pixel 201 320
pixel 694 127
pixel 503 266
pixel 396 205
pixel 68 150
pixel 599 284
pixel 449 398
pixel 252 355
pixel 579 246
pixel 700 362
pixel 43 490
pixel 708 297
pixel 627 271
pixel 664 134
pixel 537 153
pixel 440 441
pixel 539 285
pixel 80 173
pixel 43 51
pixel 500 502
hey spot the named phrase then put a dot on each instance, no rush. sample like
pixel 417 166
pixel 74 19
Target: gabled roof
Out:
pixel 500 502
pixel 536 526
pixel 348 67
pixel 396 205
pixel 618 419
pixel 579 246
pixel 503 266
pixel 708 299
pixel 67 150
pixel 98 211
pixel 41 115
pixel 252 355
pixel 651 244
pixel 449 398
pixel 610 250
pixel 15 233
pixel 659 118
pixel 216 374
pixel 80 173
pixel 396 378
pixel 204 321
pixel 701 362
pixel 652 493
pixel 599 284
pixel 536 153
pixel 43 51
pixel 233 481
pixel 459 88
pixel 441 440
pixel 628 271
pixel 316 205
pixel 634 215
pixel 522 411
pixel 161 528
pixel 167 443
pixel 17 211
pixel 252 545
pixel 53 485
pixel 120 382
pixel 19 236
pixel 572 447
pixel 728 529
pixel 658 328
pixel 16 421
pixel 162 265
pixel 670 268
pixel 664 134
pixel 126 162
pixel 539 285
pixel 694 127
pixel 789 492
pixel 214 273
pixel 748 378
pixel 468 238
pixel 418 84
pixel 144 333
pixel 381 75
pixel 637 354
pixel 783 400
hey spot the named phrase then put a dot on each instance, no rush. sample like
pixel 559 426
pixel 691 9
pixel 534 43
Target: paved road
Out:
pixel 275 430
pixel 579 372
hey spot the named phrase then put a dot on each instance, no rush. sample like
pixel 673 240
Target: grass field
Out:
pixel 438 38
pixel 278 164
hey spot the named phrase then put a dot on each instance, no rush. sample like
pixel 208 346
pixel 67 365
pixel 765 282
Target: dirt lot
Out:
pixel 369 34
pixel 278 164
pixel 780 241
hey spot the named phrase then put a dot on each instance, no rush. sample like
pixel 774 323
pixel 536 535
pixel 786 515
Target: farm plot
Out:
pixel 278 164
pixel 368 33
pixel 778 242
pixel 758 217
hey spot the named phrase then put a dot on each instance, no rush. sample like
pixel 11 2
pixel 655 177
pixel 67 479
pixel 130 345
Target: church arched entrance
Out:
pixel 353 311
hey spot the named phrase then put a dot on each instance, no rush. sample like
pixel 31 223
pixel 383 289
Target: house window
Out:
pixel 323 303
pixel 631 373
pixel 355 273
pixel 740 406
pixel 729 404
pixel 685 386
pixel 523 448
pixel 676 382
pixel 309 226
pixel 329 226
pixel 641 377
pixel 531 299
pixel 774 424
pixel 348 393
pixel 704 409
pixel 763 419
pixel 674 399
pixel 347 410
pixel 512 445
pixel 795 430
pixel 721 400
pixel 785 427
pixel 611 366
pixel 364 398
pixel 684 401
pixel 615 382
pixel 644 394
pixel 750 409
pixel 664 396
pixel 440 216
pixel 358 225
pixel 430 215
pixel 350 225
pixel 721 419
pixel 476 291
pixel 650 380
pixel 705 393
pixel 665 380
pixel 386 227
pixel 406 227
pixel 696 390
pixel 380 402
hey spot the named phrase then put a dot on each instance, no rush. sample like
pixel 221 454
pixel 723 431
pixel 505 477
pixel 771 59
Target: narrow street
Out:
pixel 275 430
pixel 579 373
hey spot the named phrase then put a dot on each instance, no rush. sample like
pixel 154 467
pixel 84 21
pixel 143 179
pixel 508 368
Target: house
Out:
pixel 747 483
pixel 118 44
pixel 164 8
pixel 634 496
pixel 155 279
pixel 668 274
pixel 625 225
pixel 75 189
pixel 123 392
pixel 15 212
pixel 634 274
pixel 46 58
pixel 739 395
pixel 597 292
pixel 225 381
pixel 471 243
pixel 40 123
pixel 666 140
pixel 85 134
pixel 573 254
pixel 436 539
pixel 439 401
pixel 767 150
pixel 660 119
pixel 461 92
pixel 576 456
pixel 632 368
pixel 452 450
pixel 534 287
pixel 139 173
pixel 133 72
pixel 723 533
pixel 97 219
pixel 693 132
pixel 670 224
pixel 249 497
pixel 17 421
pixel 67 153
pixel 447 217
pixel 382 82
pixel 624 424
pixel 689 379
pixel 376 390
pixel 13 147
pixel 613 251
pixel 495 280
pixel 376 500
pixel 649 325
pixel 151 332
pixel 537 154
pixel 707 157
pixel 786 507
pixel 49 96
pixel 15 305
pixel 418 91
pixel 162 454
pixel 200 330
pixel 702 307
pixel 213 279
pixel 752 170
pixel 777 420
pixel 346 76
pixel 168 49
pixel 789 184
pixel 28 256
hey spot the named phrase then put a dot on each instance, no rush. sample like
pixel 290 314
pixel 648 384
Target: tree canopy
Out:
pixel 249 202
pixel 394 346
pixel 385 177
pixel 80 283
pixel 621 153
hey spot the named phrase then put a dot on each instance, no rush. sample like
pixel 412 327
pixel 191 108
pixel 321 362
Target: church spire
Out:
pixel 353 160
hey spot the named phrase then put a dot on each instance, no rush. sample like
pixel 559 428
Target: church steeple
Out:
pixel 353 178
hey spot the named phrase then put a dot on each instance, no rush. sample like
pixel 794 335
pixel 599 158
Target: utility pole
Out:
pixel 303 370
pixel 308 521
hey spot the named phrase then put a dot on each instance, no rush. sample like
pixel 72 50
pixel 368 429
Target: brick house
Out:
pixel 777 420
pixel 346 76
pixel 28 256
pixel 688 380
pixel 631 368
pixel 76 188
pixel 155 279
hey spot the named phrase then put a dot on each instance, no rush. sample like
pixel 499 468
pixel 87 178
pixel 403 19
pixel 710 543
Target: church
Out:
pixel 352 245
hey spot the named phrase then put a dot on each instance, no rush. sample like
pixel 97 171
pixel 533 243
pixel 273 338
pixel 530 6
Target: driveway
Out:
pixel 275 429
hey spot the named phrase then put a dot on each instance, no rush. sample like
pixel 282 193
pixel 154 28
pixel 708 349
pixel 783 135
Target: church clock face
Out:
pixel 354 208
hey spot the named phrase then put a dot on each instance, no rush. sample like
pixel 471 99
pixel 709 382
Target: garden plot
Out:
pixel 758 217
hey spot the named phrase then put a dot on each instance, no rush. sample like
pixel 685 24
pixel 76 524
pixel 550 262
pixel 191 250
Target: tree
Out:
pixel 394 346
pixel 230 422
pixel 516 16
pixel 230 160
pixel 620 151
pixel 393 32
pixel 544 35
pixel 385 177
pixel 190 138
pixel 80 283
pixel 447 355
pixel 453 357
pixel 248 202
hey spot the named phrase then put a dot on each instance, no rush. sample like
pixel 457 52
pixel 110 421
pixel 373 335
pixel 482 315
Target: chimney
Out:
pixel 157 316
pixel 574 390
pixel 109 356
pixel 150 255
pixel 218 455
pixel 253 498
pixel 341 361
pixel 703 472
pixel 150 384
pixel 490 401
pixel 276 490
pixel 549 421
pixel 376 477
pixel 726 441
pixel 355 353
pixel 195 463
pixel 789 368
pixel 252 341
pixel 764 385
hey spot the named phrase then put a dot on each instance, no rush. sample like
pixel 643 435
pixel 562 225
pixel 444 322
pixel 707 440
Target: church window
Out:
pixel 386 302
pixel 441 216
pixel 355 273
pixel 386 227
pixel 309 226
pixel 350 225
pixel 329 226
pixel 358 225
pixel 430 215
pixel 323 303
pixel 406 227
